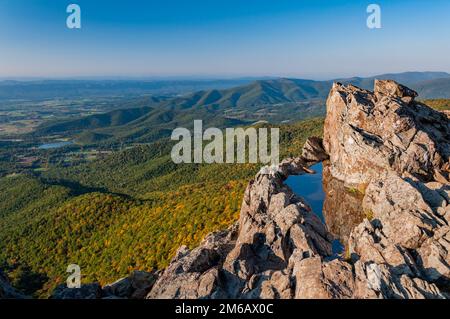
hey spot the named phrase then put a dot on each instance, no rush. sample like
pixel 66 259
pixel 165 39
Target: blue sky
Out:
pixel 222 38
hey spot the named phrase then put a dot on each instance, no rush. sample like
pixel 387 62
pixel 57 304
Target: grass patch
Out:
pixel 369 215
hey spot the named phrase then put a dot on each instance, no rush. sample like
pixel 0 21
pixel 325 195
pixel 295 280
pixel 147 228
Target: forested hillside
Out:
pixel 131 210
pixel 274 100
pixel 439 104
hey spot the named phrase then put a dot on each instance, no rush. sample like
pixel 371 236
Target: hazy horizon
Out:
pixel 195 77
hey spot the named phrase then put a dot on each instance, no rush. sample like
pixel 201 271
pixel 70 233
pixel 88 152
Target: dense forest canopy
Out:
pixel 130 210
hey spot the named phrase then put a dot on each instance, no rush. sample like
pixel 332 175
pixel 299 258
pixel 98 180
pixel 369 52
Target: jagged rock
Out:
pixel 316 279
pixel 252 259
pixel 368 135
pixel 381 281
pixel 313 150
pixel 434 257
pixel 195 274
pixel 392 89
pixel 88 291
pixel 136 286
pixel 274 285
pixel 406 218
pixel 273 223
pixel 405 244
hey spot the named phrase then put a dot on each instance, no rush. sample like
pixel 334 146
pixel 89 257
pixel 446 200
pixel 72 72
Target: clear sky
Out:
pixel 211 38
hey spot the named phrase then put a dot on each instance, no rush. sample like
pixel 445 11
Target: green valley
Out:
pixel 130 210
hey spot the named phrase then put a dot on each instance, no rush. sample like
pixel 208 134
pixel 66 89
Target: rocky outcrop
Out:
pixel 398 151
pixel 371 134
pixel 395 153
pixel 135 286
pixel 256 257
pixel 88 291
pixel 278 249
pixel 195 274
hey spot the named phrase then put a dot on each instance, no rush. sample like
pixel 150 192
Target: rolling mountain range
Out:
pixel 416 80
pixel 113 118
pixel 273 100
pixel 275 91
pixel 66 89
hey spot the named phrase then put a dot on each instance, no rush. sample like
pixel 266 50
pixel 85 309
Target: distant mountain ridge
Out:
pixel 50 89
pixel 113 118
pixel 257 93
pixel 273 100
pixel 286 90
pixel 416 80
pixel 434 88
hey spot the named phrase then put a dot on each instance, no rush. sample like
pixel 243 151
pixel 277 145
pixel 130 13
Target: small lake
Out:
pixel 48 146
pixel 310 187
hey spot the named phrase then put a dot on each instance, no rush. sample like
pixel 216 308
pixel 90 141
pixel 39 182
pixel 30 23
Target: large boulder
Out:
pixel 369 134
pixel 135 286
pixel 87 291
pixel 194 274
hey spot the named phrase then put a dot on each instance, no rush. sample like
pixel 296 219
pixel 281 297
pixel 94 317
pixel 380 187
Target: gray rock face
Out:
pixel 313 150
pixel 135 286
pixel 195 274
pixel 89 291
pixel 369 135
pixel 276 249
pixel 277 228
pixel 405 243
